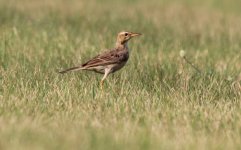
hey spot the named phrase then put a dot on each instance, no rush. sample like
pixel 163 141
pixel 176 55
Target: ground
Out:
pixel 157 101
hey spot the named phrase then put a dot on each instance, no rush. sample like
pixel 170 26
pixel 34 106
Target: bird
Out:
pixel 110 60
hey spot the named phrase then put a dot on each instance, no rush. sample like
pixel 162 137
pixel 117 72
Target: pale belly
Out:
pixel 114 68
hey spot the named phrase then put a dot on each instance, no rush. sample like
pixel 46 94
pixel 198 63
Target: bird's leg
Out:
pixel 101 84
pixel 107 71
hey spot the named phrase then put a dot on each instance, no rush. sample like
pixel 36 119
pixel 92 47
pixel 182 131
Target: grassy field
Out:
pixel 157 101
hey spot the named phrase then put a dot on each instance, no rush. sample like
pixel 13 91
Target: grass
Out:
pixel 157 101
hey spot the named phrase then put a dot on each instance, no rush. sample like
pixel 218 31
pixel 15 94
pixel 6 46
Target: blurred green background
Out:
pixel 157 101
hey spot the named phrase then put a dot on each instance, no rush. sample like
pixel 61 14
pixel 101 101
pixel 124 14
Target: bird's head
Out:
pixel 124 37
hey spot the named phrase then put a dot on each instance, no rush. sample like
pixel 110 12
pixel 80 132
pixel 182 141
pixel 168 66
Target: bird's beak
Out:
pixel 135 34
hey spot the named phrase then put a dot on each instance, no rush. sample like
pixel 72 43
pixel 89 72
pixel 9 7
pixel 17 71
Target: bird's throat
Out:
pixel 122 45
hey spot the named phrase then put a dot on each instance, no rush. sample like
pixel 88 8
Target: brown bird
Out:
pixel 109 61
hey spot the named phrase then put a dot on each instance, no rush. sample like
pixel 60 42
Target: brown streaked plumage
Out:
pixel 109 61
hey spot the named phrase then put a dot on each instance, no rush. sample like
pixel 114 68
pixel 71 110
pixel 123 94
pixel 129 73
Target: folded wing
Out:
pixel 111 57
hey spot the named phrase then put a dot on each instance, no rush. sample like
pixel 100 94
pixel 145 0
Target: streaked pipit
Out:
pixel 109 61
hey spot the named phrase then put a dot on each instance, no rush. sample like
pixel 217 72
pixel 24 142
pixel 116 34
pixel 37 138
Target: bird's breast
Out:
pixel 117 67
pixel 126 57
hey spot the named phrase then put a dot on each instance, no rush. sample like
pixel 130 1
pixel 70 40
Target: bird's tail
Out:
pixel 71 69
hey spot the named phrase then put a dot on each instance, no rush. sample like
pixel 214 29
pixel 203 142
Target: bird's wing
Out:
pixel 107 58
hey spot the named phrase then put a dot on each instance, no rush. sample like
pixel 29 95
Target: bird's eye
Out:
pixel 126 34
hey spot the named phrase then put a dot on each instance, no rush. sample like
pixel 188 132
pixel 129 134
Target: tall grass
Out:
pixel 157 101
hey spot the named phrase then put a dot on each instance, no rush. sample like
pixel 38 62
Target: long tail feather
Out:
pixel 71 69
